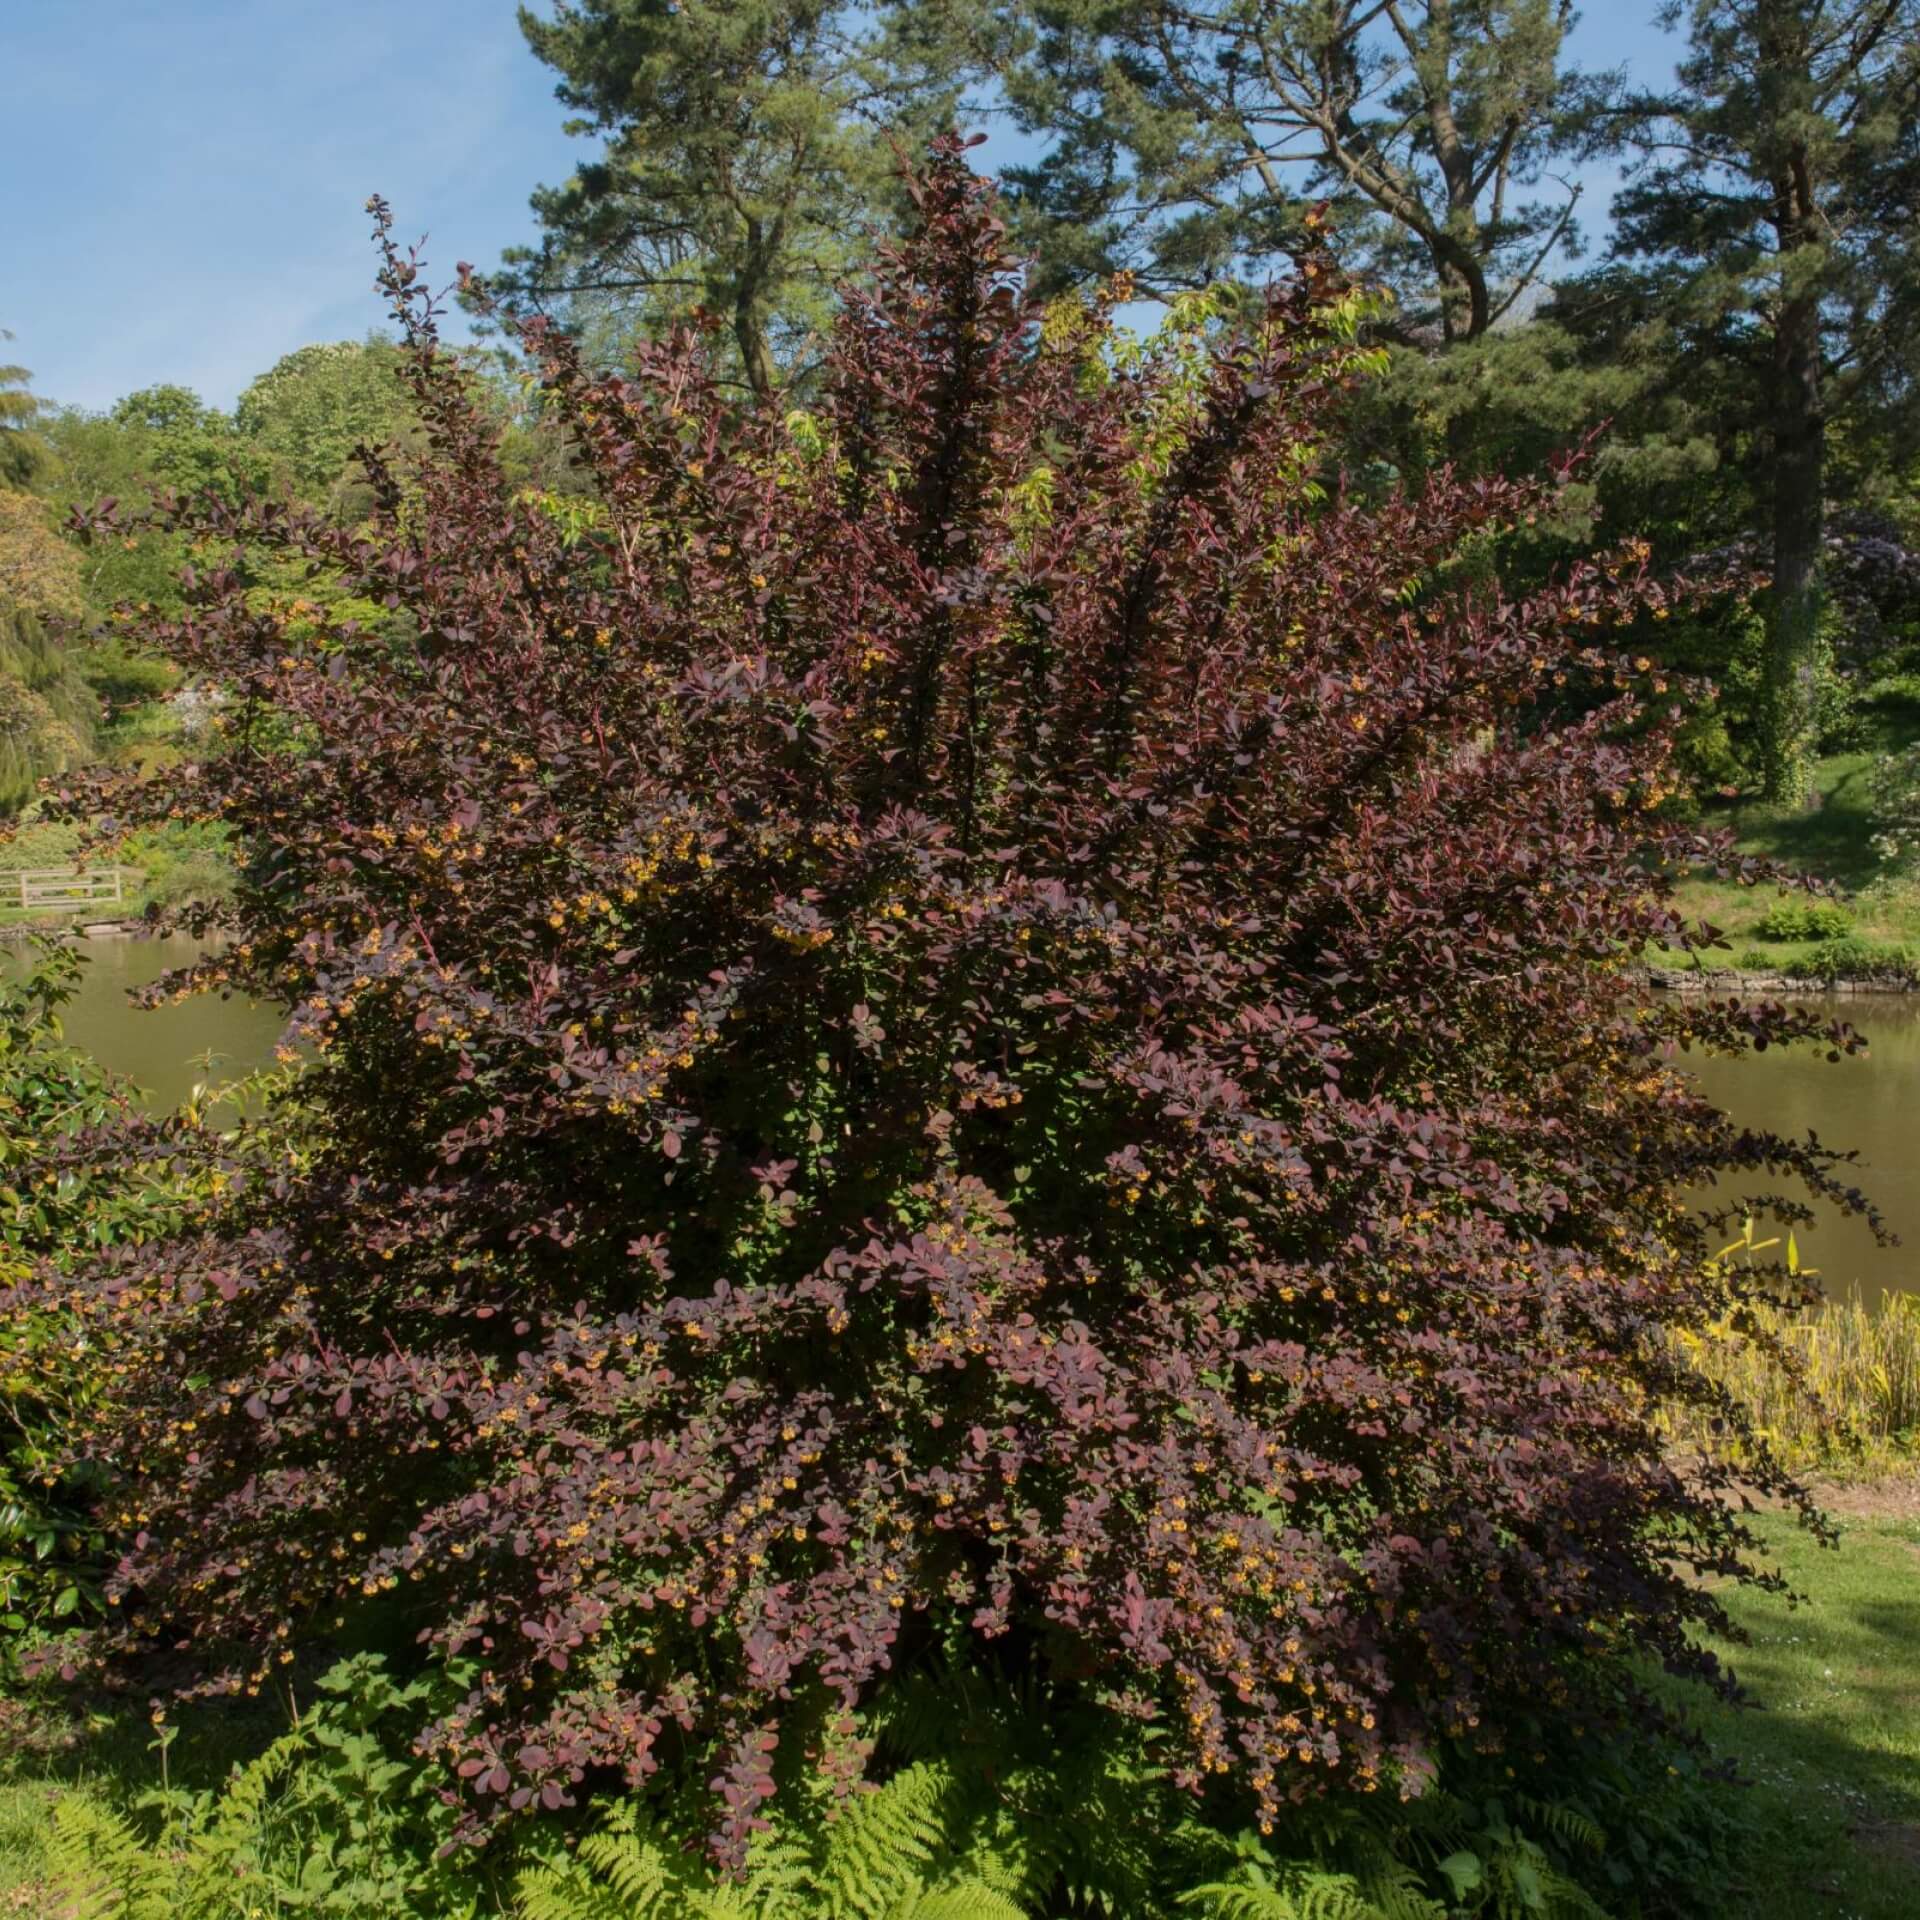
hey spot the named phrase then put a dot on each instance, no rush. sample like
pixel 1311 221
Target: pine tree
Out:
pixel 1772 215
pixel 1186 141
pixel 746 152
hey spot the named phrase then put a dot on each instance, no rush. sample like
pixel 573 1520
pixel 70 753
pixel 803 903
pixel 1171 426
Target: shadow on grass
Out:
pixel 1832 1746
pixel 53 1746
pixel 1832 838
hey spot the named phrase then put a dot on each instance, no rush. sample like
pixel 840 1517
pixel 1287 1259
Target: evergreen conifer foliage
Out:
pixel 747 145
pixel 1774 213
pixel 1187 144
pixel 974 1016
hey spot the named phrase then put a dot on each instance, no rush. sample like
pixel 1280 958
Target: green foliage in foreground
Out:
pixel 1833 1767
pixel 335 1817
pixel 49 1092
pixel 996 1806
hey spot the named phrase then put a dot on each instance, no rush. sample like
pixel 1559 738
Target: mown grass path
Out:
pixel 1832 1750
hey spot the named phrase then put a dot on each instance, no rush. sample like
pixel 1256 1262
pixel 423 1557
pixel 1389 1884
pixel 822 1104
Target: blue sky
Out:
pixel 184 179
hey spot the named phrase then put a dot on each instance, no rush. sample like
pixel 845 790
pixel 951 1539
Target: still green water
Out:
pixel 169 1051
pixel 1871 1104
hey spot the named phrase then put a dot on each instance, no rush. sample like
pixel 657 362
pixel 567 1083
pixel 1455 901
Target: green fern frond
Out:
pixel 639 1871
pixel 251 1788
pixel 560 1893
pixel 1527 1886
pixel 780 1876
pixel 730 1902
pixel 872 1857
pixel 959 1900
pixel 1572 1828
pixel 1305 1894
pixel 1395 1891
pixel 997 1848
pixel 622 1872
pixel 879 1842
pixel 101 1867
pixel 566 1893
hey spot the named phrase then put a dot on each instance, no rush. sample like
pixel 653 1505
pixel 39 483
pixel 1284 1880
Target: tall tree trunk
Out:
pixel 749 310
pixel 1466 301
pixel 750 334
pixel 1792 672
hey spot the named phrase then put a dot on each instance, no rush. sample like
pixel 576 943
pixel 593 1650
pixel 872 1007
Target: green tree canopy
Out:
pixel 1769 230
pixel 314 406
pixel 21 448
pixel 159 439
pixel 46 709
pixel 745 151
pixel 1186 139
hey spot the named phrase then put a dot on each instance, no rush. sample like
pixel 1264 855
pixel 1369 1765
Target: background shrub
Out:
pixel 334 1817
pixel 1846 958
pixel 1894 785
pixel 1804 920
pixel 59 1203
pixel 987 1019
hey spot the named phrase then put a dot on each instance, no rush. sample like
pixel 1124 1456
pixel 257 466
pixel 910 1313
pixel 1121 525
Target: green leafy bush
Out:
pixel 1804 920
pixel 336 1817
pixel 50 1542
pixel 182 863
pixel 82 1173
pixel 1893 694
pixel 1847 958
pixel 1894 791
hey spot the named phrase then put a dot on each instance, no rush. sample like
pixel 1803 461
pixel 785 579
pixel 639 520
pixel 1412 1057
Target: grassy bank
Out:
pixel 1831 1753
pixel 158 870
pixel 1878 924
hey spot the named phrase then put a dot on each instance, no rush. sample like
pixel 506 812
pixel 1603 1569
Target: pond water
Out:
pixel 169 1051
pixel 1871 1103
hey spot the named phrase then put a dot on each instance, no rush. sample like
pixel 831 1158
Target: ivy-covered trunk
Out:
pixel 1793 619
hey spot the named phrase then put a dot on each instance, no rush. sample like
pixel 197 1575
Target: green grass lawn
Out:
pixel 1831 840
pixel 1831 1755
pixel 1832 1751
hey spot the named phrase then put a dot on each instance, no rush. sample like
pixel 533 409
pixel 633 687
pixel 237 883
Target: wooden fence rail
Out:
pixel 68 886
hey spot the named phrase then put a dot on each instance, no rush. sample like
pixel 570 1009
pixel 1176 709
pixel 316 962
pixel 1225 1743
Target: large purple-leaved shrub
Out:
pixel 977 1017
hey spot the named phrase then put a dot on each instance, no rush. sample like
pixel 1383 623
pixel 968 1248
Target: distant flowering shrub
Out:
pixel 1893 785
pixel 978 1016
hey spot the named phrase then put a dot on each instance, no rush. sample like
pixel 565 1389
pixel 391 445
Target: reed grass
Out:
pixel 1858 1400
